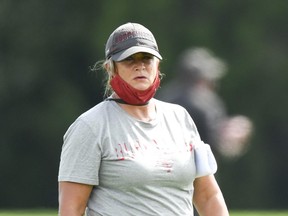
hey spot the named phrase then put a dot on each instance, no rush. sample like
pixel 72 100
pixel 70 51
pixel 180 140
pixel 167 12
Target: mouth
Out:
pixel 140 78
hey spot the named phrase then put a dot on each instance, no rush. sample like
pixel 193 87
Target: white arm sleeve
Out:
pixel 204 160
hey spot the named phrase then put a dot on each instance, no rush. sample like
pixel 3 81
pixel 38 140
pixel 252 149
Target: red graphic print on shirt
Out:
pixel 161 156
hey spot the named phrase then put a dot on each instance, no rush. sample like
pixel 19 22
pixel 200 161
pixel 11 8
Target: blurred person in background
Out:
pixel 133 154
pixel 198 72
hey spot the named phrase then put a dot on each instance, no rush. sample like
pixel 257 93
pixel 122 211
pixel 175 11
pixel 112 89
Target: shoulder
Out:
pixel 176 115
pixel 174 111
pixel 168 107
pixel 97 112
pixel 94 117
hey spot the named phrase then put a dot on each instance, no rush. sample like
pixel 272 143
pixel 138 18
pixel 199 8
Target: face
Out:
pixel 138 70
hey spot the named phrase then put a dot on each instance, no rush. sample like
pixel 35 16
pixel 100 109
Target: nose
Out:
pixel 139 64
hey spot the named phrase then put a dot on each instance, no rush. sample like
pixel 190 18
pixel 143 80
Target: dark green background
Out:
pixel 47 47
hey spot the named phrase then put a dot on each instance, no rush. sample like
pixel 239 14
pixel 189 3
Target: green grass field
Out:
pixel 54 213
pixel 28 213
pixel 259 213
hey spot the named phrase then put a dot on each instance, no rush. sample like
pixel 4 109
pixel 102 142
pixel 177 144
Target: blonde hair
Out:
pixel 108 67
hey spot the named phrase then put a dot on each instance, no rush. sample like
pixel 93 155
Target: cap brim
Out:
pixel 132 50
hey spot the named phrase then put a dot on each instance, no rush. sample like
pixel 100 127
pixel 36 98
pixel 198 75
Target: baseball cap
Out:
pixel 128 39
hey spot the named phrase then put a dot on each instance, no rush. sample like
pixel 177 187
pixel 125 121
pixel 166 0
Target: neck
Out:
pixel 121 101
pixel 144 113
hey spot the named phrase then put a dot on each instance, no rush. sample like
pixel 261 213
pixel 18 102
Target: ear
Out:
pixel 107 67
pixel 110 68
pixel 158 65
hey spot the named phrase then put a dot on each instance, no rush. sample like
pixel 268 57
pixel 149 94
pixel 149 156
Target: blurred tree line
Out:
pixel 47 48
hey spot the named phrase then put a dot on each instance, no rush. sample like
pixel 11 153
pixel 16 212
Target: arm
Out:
pixel 73 198
pixel 208 198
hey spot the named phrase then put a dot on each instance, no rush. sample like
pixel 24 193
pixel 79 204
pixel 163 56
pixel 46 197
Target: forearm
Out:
pixel 73 198
pixel 70 207
pixel 70 211
pixel 214 206
pixel 208 198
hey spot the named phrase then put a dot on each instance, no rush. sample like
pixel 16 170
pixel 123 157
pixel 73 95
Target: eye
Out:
pixel 148 56
pixel 139 56
pixel 129 58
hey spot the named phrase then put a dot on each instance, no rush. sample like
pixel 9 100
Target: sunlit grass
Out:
pixel 259 213
pixel 38 212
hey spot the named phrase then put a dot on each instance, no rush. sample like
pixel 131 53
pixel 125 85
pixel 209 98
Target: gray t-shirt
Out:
pixel 136 168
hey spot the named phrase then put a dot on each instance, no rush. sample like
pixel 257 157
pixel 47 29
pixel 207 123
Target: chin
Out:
pixel 142 87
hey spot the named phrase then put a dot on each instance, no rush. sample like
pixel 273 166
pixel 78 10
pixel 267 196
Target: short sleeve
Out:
pixel 80 156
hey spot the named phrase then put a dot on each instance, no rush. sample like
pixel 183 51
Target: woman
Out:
pixel 132 154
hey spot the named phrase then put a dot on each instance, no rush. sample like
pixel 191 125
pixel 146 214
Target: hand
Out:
pixel 235 135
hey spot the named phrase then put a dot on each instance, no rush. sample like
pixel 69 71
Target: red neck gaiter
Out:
pixel 131 95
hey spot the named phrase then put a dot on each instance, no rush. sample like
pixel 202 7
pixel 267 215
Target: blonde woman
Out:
pixel 132 154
